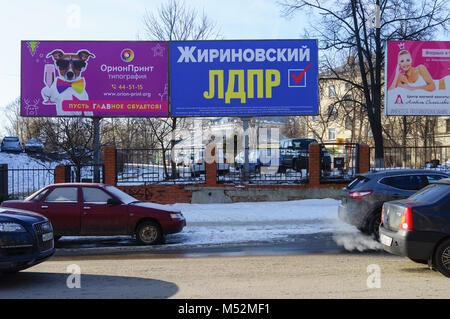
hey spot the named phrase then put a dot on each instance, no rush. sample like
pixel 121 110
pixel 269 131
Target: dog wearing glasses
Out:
pixel 69 83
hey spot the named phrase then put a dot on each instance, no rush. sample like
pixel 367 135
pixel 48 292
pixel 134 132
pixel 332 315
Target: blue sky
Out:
pixel 122 20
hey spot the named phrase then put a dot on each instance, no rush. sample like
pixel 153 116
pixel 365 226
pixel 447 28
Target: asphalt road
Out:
pixel 296 244
pixel 344 275
pixel 307 266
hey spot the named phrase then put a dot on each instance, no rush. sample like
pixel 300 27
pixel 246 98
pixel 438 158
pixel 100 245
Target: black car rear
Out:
pixel 419 227
pixel 26 239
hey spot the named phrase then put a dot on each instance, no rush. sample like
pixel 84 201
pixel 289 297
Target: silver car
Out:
pixel 34 145
pixel 11 144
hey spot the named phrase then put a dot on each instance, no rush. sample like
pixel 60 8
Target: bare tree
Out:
pixel 343 28
pixel 174 21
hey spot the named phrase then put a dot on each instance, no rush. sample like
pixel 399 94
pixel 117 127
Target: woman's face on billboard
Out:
pixel 404 60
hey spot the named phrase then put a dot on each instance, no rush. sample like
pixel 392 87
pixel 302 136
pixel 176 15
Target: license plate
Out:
pixel 385 240
pixel 47 236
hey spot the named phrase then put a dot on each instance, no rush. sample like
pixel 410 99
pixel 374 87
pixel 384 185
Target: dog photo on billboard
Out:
pixel 68 83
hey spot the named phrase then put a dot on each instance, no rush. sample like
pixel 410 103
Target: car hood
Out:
pixel 156 206
pixel 12 214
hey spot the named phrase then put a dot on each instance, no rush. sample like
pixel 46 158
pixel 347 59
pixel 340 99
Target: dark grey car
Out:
pixel 362 199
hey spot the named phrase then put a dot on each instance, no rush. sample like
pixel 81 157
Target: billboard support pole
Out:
pixel 246 147
pixel 96 123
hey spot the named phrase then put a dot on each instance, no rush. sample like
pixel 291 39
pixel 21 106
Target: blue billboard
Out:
pixel 244 78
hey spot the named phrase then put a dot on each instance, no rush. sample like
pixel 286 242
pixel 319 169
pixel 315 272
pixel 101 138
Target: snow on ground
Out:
pixel 254 222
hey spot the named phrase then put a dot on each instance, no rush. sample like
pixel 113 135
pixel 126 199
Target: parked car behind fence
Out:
pixel 11 144
pixel 34 145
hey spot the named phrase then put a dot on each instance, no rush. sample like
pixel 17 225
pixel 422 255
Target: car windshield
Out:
pixel 122 196
pixel 36 196
pixel 431 194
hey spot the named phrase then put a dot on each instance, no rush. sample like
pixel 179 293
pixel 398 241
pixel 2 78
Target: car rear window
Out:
pixel 11 139
pixel 432 193
pixel 406 182
pixel 357 181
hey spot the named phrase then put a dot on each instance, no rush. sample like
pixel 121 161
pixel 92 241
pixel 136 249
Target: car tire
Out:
pixel 374 225
pixel 441 258
pixel 149 233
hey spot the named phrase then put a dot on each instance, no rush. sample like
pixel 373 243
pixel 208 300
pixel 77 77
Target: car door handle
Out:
pixel 86 207
pixel 44 207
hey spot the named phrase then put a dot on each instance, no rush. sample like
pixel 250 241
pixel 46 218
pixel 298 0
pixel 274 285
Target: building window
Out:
pixel 332 112
pixel 331 134
pixel 331 91
pixel 447 126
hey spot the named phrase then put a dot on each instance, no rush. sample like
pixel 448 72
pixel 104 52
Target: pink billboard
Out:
pixel 417 78
pixel 94 78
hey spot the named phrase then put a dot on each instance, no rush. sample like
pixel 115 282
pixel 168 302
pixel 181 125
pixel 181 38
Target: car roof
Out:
pixel 78 184
pixel 406 171
pixel 445 181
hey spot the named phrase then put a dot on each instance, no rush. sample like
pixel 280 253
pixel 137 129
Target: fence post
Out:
pixel 3 182
pixel 210 165
pixel 60 174
pixel 314 164
pixel 110 173
pixel 363 159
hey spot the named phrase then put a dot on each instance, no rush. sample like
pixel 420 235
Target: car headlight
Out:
pixel 12 227
pixel 176 216
pixel 46 227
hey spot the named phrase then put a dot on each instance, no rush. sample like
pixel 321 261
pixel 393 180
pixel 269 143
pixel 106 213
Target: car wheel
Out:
pixel 374 226
pixel 149 233
pixel 442 258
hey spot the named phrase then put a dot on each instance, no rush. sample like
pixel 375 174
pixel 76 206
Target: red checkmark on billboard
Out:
pixel 298 78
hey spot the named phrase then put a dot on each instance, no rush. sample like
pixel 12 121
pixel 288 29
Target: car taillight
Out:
pixel 224 160
pixel 359 194
pixel 407 222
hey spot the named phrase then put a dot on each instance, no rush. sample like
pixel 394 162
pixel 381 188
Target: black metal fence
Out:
pixel 265 167
pixel 85 173
pixel 18 183
pixel 339 162
pixel 435 157
pixel 154 166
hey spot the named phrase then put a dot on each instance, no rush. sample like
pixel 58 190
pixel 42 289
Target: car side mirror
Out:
pixel 113 201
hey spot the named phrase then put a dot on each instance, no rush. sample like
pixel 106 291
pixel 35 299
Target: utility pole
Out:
pixel 96 122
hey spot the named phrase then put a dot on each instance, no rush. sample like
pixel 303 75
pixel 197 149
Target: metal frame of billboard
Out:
pixel 169 82
pixel 403 96
pixel 92 41
pixel 316 56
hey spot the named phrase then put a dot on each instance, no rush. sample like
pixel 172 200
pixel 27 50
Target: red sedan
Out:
pixel 85 209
